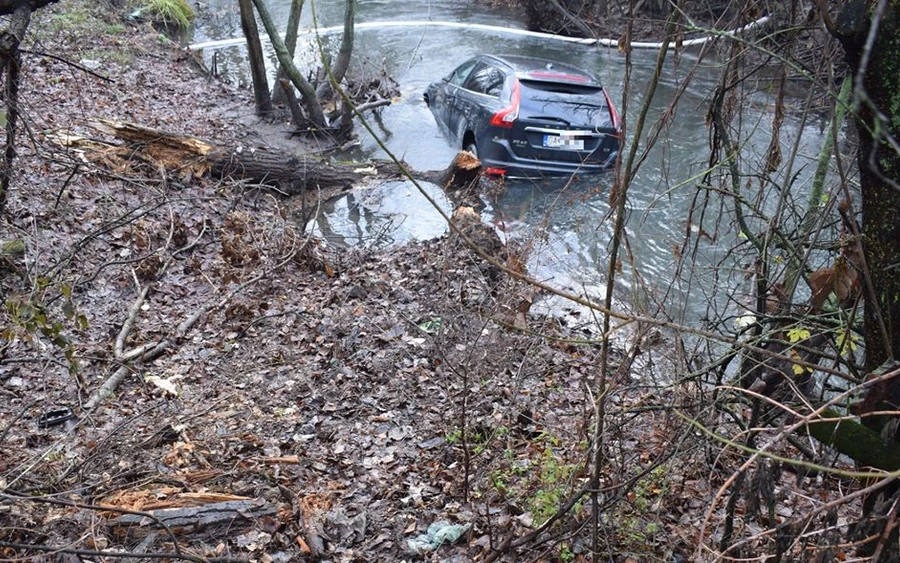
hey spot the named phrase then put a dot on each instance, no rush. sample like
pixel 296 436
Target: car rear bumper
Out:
pixel 496 155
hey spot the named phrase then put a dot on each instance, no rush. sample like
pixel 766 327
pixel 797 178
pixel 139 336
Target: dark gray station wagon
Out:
pixel 527 117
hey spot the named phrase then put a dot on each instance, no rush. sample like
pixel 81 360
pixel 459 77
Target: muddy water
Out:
pixel 566 223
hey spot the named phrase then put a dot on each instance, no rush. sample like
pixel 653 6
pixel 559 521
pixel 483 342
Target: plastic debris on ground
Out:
pixel 438 534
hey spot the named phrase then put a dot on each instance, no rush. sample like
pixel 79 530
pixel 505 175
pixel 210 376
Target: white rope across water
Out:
pixel 491 28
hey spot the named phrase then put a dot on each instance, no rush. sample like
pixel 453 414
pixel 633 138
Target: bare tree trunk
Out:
pixel 873 55
pixel 291 174
pixel 290 42
pixel 868 32
pixel 10 62
pixel 307 92
pixel 257 61
pixel 339 68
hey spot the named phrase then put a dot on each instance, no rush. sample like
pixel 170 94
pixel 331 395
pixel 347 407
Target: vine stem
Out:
pixel 618 198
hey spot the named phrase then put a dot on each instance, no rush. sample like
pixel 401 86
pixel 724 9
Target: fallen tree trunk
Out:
pixel 290 174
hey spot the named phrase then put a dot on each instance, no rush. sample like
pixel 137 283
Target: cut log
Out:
pixel 291 174
pixel 209 519
pixel 463 174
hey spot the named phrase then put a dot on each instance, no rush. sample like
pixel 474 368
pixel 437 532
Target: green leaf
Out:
pixel 847 342
pixel 68 309
pixel 797 368
pixel 797 334
pixel 431 326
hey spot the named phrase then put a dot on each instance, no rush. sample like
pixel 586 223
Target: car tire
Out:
pixel 472 149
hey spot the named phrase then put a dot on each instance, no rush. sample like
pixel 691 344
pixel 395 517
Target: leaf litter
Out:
pixel 339 404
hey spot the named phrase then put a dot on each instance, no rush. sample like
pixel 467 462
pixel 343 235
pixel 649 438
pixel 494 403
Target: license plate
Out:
pixel 563 142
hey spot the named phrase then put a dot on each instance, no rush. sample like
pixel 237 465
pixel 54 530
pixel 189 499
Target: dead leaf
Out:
pixel 290 459
pixel 820 284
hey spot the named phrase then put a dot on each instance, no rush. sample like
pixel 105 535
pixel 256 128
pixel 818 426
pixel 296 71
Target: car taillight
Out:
pixel 508 115
pixel 612 113
pixel 490 171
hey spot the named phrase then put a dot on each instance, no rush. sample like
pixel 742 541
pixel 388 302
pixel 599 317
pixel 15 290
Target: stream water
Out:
pixel 567 224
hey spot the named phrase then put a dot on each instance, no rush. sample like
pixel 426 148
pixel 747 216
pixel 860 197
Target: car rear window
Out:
pixel 562 88
pixel 578 105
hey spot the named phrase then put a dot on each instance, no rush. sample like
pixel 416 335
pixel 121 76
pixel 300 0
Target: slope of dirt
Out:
pixel 311 402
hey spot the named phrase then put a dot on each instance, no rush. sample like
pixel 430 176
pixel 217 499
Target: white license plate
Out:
pixel 563 142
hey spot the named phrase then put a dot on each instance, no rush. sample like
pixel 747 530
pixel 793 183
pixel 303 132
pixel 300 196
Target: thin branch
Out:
pixel 120 554
pixel 15 419
pixel 72 64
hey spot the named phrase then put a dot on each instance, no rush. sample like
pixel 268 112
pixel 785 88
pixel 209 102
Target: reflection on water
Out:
pixel 393 213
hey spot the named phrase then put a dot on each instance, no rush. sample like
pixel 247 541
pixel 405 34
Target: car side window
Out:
pixel 486 79
pixel 458 76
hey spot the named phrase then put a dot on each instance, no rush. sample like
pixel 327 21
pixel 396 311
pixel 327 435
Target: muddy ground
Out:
pixel 312 401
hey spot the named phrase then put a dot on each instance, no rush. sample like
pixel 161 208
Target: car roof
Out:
pixel 545 70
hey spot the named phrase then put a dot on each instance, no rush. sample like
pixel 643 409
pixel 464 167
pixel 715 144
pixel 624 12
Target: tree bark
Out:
pixel 870 35
pixel 291 174
pixel 342 64
pixel 211 520
pixel 857 441
pixel 873 56
pixel 279 94
pixel 257 60
pixel 316 115
pixel 463 174
pixel 10 63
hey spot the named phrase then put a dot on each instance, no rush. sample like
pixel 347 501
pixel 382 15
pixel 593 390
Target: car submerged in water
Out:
pixel 525 117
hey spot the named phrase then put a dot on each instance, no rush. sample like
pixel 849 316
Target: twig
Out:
pixel 889 527
pixel 133 312
pixel 373 105
pixel 98 508
pixel 14 420
pixel 577 22
pixel 121 554
pixel 509 543
pixel 70 63
pixel 65 185
pixel 98 449
pixel 150 353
